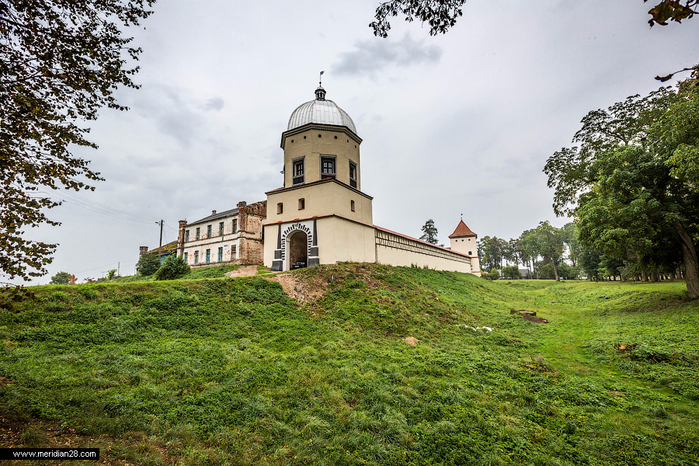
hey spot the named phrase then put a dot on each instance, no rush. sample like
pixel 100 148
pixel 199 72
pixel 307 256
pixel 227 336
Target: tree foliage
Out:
pixel 632 181
pixel 61 278
pixel 441 15
pixel 549 245
pixel 511 272
pixel 429 232
pixel 491 251
pixel 172 269
pixel 60 61
pixel 147 264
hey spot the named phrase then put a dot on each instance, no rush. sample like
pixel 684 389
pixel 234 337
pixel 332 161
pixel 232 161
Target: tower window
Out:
pixel 353 174
pixel 352 205
pixel 327 166
pixel 280 208
pixel 302 204
pixel 297 171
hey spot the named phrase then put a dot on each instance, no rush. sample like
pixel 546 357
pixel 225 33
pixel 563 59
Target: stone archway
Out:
pixel 297 250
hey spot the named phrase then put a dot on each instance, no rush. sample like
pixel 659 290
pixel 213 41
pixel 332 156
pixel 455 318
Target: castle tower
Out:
pixel 463 240
pixel 320 215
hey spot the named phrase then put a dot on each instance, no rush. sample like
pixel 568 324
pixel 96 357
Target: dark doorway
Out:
pixel 298 250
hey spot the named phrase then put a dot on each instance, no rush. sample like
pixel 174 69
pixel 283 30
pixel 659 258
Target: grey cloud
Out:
pixel 370 56
pixel 215 104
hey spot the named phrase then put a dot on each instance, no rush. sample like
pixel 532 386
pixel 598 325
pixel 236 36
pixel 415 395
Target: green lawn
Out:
pixel 230 371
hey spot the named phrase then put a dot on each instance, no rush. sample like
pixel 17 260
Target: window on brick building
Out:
pixel 220 228
pixel 186 235
pixel 235 225
pixel 208 256
pixel 198 233
pixel 208 231
pixel 185 258
pixel 196 256
pixel 220 254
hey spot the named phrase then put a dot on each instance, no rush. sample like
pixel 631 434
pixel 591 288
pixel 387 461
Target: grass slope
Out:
pixel 231 371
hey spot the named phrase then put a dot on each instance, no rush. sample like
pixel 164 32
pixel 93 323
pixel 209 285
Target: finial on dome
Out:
pixel 320 92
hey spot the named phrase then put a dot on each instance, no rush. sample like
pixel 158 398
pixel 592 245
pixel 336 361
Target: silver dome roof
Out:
pixel 321 111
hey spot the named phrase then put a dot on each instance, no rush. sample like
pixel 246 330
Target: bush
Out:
pixel 173 268
pixel 493 275
pixel 148 264
pixel 61 278
pixel 511 271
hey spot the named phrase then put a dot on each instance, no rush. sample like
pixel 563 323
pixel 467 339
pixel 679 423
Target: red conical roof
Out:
pixel 461 231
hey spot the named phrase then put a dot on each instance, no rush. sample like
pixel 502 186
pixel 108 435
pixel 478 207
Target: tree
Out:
pixel 441 15
pixel 111 274
pixel 172 269
pixel 490 252
pixel 147 264
pixel 632 182
pixel 61 278
pixel 570 238
pixel 61 62
pixel 590 262
pixel 528 249
pixel 429 232
pixel 549 240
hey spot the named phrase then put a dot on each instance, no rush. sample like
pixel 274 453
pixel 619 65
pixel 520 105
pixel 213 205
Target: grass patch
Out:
pixel 231 371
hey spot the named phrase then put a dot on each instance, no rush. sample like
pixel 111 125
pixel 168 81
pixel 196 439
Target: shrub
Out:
pixel 493 275
pixel 511 271
pixel 148 264
pixel 61 278
pixel 172 268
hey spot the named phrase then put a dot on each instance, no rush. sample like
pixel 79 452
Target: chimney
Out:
pixel 213 212
pixel 142 250
pixel 180 238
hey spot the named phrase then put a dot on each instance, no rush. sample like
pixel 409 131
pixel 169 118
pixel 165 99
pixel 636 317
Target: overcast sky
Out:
pixel 456 124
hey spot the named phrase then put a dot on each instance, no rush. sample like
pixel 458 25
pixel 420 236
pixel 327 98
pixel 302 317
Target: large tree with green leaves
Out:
pixel 60 62
pixel 632 179
pixel 549 244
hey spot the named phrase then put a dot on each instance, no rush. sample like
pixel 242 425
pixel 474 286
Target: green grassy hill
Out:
pixel 384 368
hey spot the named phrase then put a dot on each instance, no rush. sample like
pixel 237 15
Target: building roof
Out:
pixel 165 249
pixel 216 216
pixel 321 111
pixel 462 231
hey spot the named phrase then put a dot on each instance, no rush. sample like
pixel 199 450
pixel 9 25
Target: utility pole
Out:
pixel 161 232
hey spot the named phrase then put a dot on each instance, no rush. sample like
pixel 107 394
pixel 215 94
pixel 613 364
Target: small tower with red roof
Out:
pixel 463 240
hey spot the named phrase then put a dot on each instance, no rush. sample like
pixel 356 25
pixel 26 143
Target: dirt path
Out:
pixel 245 271
pixel 301 291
